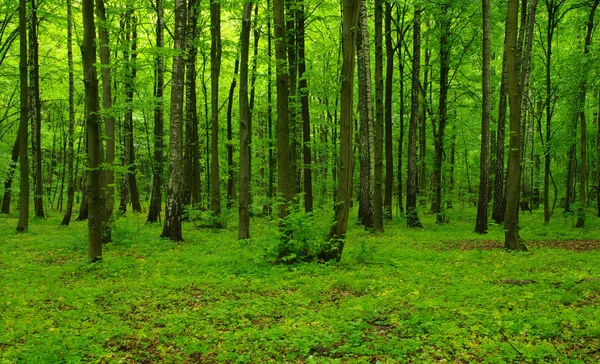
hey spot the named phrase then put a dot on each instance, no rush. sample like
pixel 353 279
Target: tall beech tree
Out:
pixel 174 207
pixel 92 108
pixel 481 224
pixel 244 184
pixel 337 234
pixel 157 170
pixel 23 223
pixel 412 216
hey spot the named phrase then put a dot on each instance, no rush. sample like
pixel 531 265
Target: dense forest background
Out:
pixel 284 108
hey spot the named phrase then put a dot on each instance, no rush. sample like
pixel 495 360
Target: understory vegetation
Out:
pixel 441 293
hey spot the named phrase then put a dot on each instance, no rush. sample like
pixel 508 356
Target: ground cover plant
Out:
pixel 441 293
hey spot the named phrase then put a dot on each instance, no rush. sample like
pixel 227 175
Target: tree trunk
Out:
pixel 230 166
pixel 412 217
pixel 303 93
pixel 365 107
pixel 244 195
pixel 215 68
pixel 23 223
pixel 337 234
pixel 292 49
pixel 389 81
pixel 400 43
pixel 481 224
pixel 92 106
pixel 499 210
pixel 35 113
pixel 439 134
pixel 378 200
pixel 191 170
pixel 511 222
pixel 581 114
pixel 156 199
pixel 267 208
pixel 174 208
pixel 70 152
pixel 598 156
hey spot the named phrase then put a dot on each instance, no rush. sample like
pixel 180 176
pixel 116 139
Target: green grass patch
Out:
pixel 442 293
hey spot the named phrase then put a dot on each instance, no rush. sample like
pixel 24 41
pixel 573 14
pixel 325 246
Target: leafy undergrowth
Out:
pixel 442 293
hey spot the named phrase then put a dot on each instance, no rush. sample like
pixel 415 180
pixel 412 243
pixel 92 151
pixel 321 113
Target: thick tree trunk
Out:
pixel 366 132
pixel 244 195
pixel 92 106
pixel 230 166
pixel 378 150
pixel 337 234
pixel 511 222
pixel 215 69
pixel 174 208
pixel 481 224
pixel 191 162
pixel 303 93
pixel 35 113
pixel 156 199
pixel 70 152
pixel 439 134
pixel 389 81
pixel 412 217
pixel 23 223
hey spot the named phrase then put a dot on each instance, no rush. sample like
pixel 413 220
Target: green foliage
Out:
pixel 442 293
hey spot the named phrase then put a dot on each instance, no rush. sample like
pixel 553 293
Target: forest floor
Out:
pixel 442 293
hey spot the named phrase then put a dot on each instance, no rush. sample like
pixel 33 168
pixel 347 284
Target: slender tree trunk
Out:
pixel 11 170
pixel 156 199
pixel 337 234
pixel 292 49
pixel 481 225
pixel 365 107
pixel 303 93
pixel 70 153
pixel 581 114
pixel 230 166
pixel 191 161
pixel 412 217
pixel 23 223
pixel 400 43
pixel 244 196
pixel 35 113
pixel 598 156
pixel 174 208
pixel 439 134
pixel 84 206
pixel 498 212
pixel 389 81
pixel 267 208
pixel 378 200
pixel 215 68
pixel 551 25
pixel 109 120
pixel 92 105
pixel 511 222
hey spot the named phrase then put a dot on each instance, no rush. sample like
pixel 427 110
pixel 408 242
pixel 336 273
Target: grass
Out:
pixel 442 293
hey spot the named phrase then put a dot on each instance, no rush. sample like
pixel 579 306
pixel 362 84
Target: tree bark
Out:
pixel 378 200
pixel 172 227
pixel 481 224
pixel 389 81
pixel 23 223
pixel 244 195
pixel 511 222
pixel 215 68
pixel 156 199
pixel 337 234
pixel 499 209
pixel 94 160
pixel 303 93
pixel 412 217
pixel 230 166
pixel 70 152
pixel 35 113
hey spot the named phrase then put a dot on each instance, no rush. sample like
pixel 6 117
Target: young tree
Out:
pixel 92 107
pixel 174 208
pixel 412 217
pixel 481 225
pixel 23 223
pixel 215 68
pixel 337 234
pixel 244 195
pixel 70 153
pixel 156 199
